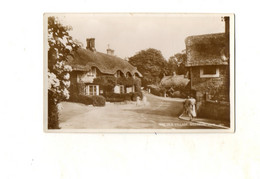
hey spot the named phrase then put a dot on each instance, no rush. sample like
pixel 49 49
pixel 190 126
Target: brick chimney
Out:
pixel 227 27
pixel 226 19
pixel 91 44
pixel 110 51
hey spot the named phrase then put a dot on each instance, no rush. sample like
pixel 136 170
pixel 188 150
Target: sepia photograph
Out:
pixel 130 89
pixel 139 72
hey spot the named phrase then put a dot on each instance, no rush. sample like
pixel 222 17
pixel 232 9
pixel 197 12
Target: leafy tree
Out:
pixel 151 64
pixel 172 66
pixel 176 63
pixel 60 45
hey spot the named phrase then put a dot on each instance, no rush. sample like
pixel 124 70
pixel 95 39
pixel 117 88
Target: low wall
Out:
pixel 215 110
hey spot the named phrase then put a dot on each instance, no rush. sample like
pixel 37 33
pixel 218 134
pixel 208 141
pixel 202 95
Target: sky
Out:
pixel 127 34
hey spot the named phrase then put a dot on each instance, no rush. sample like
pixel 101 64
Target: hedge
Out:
pixel 114 97
pixel 99 100
pixel 85 99
pixel 89 100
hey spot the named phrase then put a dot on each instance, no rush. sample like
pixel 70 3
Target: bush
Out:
pixel 114 97
pixel 99 100
pixel 136 94
pixel 127 96
pixel 88 100
pixel 74 97
pixel 156 91
pixel 140 94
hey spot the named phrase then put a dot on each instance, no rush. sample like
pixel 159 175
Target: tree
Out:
pixel 177 62
pixel 172 65
pixel 60 45
pixel 151 64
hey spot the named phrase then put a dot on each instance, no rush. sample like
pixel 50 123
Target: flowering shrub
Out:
pixel 60 45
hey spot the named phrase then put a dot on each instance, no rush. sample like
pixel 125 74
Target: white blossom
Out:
pixel 68 47
pixel 66 83
pixel 67 68
pixel 67 76
pixel 53 81
pixel 66 93
pixel 59 65
pixel 60 107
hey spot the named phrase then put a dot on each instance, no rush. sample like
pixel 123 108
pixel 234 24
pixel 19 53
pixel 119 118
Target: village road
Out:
pixel 156 113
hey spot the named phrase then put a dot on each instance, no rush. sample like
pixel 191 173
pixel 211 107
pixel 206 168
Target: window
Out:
pixel 121 88
pixel 209 72
pixel 92 90
pixel 118 74
pixel 128 75
pixel 92 72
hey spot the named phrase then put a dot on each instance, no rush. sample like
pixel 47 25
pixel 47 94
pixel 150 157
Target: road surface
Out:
pixel 157 113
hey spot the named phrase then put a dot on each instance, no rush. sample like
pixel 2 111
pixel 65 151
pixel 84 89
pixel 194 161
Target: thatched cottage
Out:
pixel 175 85
pixel 208 64
pixel 94 71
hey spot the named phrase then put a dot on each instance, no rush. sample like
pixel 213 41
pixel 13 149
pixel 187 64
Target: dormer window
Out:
pixel 118 74
pixel 92 72
pixel 128 75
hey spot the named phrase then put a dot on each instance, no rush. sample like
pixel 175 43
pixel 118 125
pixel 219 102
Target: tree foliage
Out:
pixel 60 45
pixel 151 64
pixel 176 64
pixel 106 82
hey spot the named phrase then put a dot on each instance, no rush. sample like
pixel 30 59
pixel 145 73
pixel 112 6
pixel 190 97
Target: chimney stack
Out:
pixel 227 27
pixel 110 51
pixel 91 44
pixel 226 19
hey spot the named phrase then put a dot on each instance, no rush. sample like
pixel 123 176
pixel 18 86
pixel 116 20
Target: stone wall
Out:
pixel 207 88
pixel 212 86
pixel 215 110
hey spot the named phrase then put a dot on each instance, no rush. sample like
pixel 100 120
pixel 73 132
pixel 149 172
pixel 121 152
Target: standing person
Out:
pixel 189 109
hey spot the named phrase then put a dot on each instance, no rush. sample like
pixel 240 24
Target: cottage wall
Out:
pixel 206 88
pixel 211 85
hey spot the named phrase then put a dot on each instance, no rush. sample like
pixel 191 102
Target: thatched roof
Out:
pixel 174 81
pixel 83 60
pixel 152 86
pixel 209 49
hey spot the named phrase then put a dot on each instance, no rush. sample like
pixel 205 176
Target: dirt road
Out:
pixel 157 113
